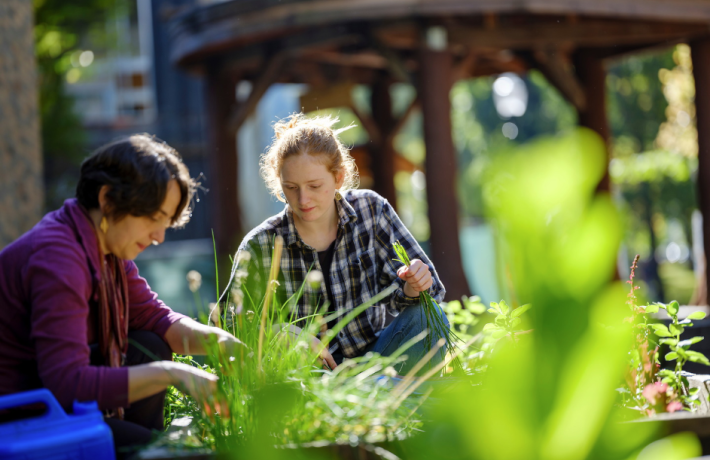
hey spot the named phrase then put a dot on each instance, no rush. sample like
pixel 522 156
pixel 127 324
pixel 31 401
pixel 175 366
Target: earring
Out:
pixel 338 196
pixel 104 224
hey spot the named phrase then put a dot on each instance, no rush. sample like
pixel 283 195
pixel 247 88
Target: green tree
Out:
pixel 61 28
pixel 654 152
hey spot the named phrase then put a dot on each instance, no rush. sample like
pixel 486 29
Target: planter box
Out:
pixel 697 422
pixel 313 450
pixel 180 426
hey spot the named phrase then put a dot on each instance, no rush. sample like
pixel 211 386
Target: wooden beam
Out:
pixel 589 33
pixel 558 71
pixel 269 76
pixel 368 124
pixel 224 166
pixel 382 153
pixel 465 68
pixel 402 120
pixel 435 77
pixel 700 51
pixel 396 65
pixel 366 59
pixel 592 74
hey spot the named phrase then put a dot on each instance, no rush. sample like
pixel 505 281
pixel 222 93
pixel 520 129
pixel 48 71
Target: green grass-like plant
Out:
pixel 273 391
pixel 433 313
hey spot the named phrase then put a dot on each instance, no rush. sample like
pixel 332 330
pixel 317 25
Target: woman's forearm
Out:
pixel 146 380
pixel 187 336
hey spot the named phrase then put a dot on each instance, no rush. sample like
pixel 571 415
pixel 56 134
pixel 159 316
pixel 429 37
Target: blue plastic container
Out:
pixel 54 434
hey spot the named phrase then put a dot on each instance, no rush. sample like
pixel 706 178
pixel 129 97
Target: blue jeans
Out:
pixel 410 322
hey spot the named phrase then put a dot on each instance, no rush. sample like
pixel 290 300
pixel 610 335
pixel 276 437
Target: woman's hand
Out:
pixel 417 276
pixel 200 385
pixel 325 356
pixel 148 379
pixel 187 336
pixel 291 333
pixel 197 383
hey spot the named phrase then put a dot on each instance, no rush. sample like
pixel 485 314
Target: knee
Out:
pixel 416 314
pixel 149 345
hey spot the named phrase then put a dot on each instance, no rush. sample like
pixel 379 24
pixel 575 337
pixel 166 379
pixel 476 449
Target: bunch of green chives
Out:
pixel 432 311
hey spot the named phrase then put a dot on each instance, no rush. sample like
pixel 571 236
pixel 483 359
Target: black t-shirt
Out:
pixel 326 259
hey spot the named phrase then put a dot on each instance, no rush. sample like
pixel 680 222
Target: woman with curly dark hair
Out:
pixel 73 305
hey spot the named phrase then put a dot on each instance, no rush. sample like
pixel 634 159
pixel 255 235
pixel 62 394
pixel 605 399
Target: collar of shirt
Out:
pixel 80 221
pixel 346 216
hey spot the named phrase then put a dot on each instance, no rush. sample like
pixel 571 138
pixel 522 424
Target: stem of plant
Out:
pixel 270 287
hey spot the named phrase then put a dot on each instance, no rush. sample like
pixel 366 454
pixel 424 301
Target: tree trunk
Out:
pixel 21 185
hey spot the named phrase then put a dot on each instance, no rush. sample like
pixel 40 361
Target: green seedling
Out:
pixel 506 321
pixel 432 311
pixel 680 351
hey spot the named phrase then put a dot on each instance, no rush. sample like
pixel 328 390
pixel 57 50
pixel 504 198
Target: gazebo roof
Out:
pixel 355 32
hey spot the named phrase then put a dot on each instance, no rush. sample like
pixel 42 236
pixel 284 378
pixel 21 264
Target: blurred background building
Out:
pixel 462 80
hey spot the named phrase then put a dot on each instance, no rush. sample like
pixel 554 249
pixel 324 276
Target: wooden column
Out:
pixel 220 95
pixel 592 75
pixel 700 51
pixel 382 152
pixel 435 77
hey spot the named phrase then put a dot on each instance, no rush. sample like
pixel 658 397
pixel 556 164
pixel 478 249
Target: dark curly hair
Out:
pixel 138 169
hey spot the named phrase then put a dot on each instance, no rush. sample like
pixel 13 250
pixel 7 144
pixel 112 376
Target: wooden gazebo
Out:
pixel 431 44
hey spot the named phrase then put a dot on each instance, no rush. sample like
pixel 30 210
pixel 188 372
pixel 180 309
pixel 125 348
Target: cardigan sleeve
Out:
pixel 145 310
pixel 60 287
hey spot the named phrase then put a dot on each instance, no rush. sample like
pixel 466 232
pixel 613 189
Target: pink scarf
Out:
pixel 113 312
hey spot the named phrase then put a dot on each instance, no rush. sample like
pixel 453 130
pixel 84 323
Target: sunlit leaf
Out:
pixel 697 315
pixel 520 310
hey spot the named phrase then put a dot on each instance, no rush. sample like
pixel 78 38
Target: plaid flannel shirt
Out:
pixel 363 265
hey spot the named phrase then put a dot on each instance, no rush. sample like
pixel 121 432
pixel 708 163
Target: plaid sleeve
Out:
pixel 390 229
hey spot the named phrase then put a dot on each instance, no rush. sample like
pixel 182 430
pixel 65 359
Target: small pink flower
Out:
pixel 674 406
pixel 652 391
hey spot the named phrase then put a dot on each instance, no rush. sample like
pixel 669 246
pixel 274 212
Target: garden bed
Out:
pixel 180 429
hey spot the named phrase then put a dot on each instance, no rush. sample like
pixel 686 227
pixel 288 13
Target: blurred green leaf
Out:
pixel 676 329
pixel 697 357
pixel 498 334
pixel 697 315
pixel 520 310
pixel 453 306
pixel 661 330
pixel 689 342
pixel 678 446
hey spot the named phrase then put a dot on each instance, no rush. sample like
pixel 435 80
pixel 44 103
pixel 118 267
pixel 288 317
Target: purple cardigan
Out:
pixel 48 300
